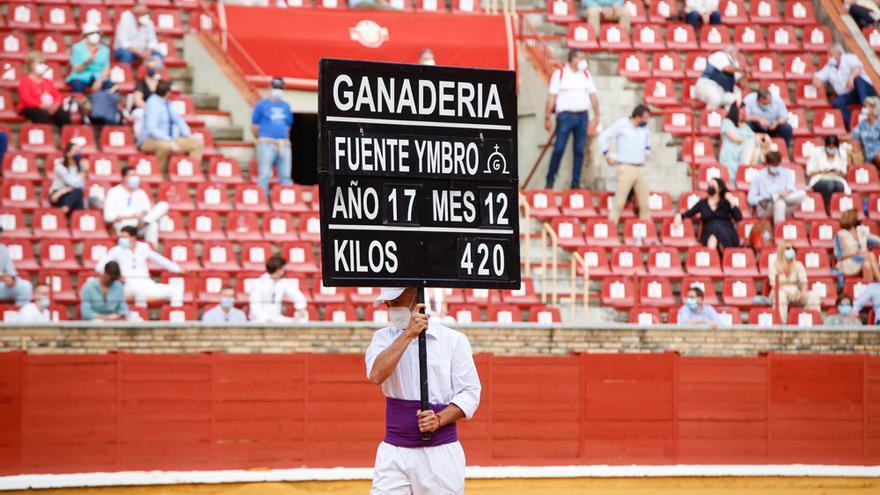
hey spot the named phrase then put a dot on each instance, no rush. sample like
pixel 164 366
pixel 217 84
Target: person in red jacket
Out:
pixel 38 99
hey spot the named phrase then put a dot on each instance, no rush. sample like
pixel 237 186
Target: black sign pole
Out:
pixel 423 367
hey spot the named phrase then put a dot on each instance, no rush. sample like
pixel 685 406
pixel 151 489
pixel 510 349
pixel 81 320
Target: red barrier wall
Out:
pixel 225 411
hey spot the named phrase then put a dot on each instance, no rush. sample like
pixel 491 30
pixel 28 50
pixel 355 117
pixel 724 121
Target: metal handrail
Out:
pixel 540 50
pixel 546 230
pixel 578 260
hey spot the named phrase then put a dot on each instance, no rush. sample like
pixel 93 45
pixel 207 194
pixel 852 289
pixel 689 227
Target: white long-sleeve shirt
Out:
pixel 267 295
pixel 133 263
pixel 130 33
pixel 119 201
pixel 30 313
pixel 838 75
pixel 452 375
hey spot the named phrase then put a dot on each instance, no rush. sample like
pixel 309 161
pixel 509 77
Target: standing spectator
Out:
pixel 143 90
pixel 868 131
pixel 633 145
pixel 773 191
pixel 271 290
pixel 866 13
pixel 717 86
pixel 103 298
pixel 610 10
pixel 165 132
pixel 126 204
pixel 225 312
pixel 135 38
pixel 89 62
pixel 571 94
pixel 69 181
pixel 38 99
pixel 827 170
pixel 11 285
pixel 852 249
pixel 271 121
pixel 870 296
pixel 845 73
pixel 132 257
pixel 695 312
pixel 738 142
pixel 426 57
pixel 766 113
pixel 37 311
pixel 700 12
pixel 844 316
pixel 789 277
pixel 718 215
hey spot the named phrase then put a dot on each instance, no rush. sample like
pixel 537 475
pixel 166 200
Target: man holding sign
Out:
pixel 405 463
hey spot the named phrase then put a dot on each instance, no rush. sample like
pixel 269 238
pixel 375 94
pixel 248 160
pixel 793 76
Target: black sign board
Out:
pixel 418 176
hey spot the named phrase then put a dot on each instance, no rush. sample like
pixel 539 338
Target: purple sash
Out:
pixel 402 425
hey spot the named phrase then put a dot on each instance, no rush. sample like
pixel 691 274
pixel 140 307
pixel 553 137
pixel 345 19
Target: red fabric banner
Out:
pixel 290 42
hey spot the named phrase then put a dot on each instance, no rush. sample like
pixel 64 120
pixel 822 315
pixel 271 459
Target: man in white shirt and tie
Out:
pixel 132 257
pixel 225 312
pixel 127 204
pixel 271 290
pixel 405 463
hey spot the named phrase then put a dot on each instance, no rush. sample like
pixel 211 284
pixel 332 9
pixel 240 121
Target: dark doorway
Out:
pixel 304 136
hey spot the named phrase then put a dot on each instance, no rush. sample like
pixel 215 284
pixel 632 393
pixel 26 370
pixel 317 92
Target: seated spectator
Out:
pixel 868 131
pixel 717 87
pixel 270 291
pixel 38 99
pixel 773 191
pixel 165 132
pixel 739 143
pixel 700 12
pixel 826 170
pixel 89 62
pixel 694 312
pixel 789 277
pixel 852 249
pixel 132 256
pixel 103 298
pixel 847 77
pixel 595 11
pixel 135 38
pixel 225 312
pixel 69 180
pixel 870 296
pixel 143 90
pixel 767 114
pixel 105 107
pixel 270 122
pixel 844 316
pixel 37 311
pixel 126 204
pixel 12 287
pixel 866 13
pixel 718 215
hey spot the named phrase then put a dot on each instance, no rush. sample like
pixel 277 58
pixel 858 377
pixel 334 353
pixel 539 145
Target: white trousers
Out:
pixel 151 223
pixel 422 471
pixel 711 93
pixel 146 290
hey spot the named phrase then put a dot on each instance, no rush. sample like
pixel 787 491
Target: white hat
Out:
pixel 388 294
pixel 89 28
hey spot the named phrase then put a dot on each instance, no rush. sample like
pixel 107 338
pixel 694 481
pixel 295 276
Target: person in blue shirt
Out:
pixel 165 132
pixel 633 147
pixel 103 298
pixel 766 113
pixel 89 62
pixel 271 123
pixel 868 131
pixel 694 312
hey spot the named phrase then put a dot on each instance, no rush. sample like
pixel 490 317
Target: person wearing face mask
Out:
pixel 847 77
pixel 789 277
pixel 426 57
pixel 225 312
pixel 766 113
pixel 773 192
pixel 738 142
pixel 69 180
pixel 103 298
pixel 143 90
pixel 717 87
pixel 37 311
pixel 633 141
pixel 38 99
pixel 718 213
pixel 610 10
pixel 826 170
pixel 270 123
pixel 866 13
pixel 844 316
pixel 133 257
pixel 127 204
pixel 12 287
pixel 853 249
pixel 89 62
pixel 694 312
pixel 572 94
pixel 165 131
pixel 135 39
pixel 868 131
pixel 404 462
pixel 271 291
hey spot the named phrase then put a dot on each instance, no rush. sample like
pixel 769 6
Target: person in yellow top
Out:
pixel 789 277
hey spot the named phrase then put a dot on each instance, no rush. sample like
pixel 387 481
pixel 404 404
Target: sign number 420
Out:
pixel 481 258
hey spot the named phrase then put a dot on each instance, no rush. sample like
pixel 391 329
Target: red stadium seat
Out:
pixel 729 316
pixel 578 203
pixel 825 288
pixel 778 88
pixel 172 226
pixel 714 38
pixel 464 6
pixel 811 208
pixel 799 66
pixel 800 126
pixel 210 284
pixel 695 64
pixel 783 39
pixel 18 194
pixel 678 122
pixel 8 313
pixel 50 224
pixel 525 296
pixel 20 165
pixel 643 315
pixel 183 253
pixel 220 256
pixel 23 16
pixel 764 316
pixel 697 150
pixel 93 250
pixel 60 285
pixel 504 313
pixel 765 12
pixel 627 261
pixel 243 226
pixel 544 315
pixel 817 38
pixel 661 10
pixel 767 66
pixel 309 227
pixel 749 38
pixel 328 295
pixel 168 22
pixel 255 253
pixel 618 292
pixel 430 6
pixel 188 283
pixel 601 232
pixel 118 140
pixel 656 291
pixel 558 11
pixel 681 37
pixel 568 232
pixel 739 292
pixel 810 96
pixel 822 233
pixel 639 232
pixel 804 317
pixel 212 197
pixel 147 168
pixel 636 11
pixel 7 108
pixel 224 170
pixel 176 195
pixel 250 197
pixel 300 256
pixel 803 149
pixel 703 262
pixel 58 253
pixel 711 171
pixel 279 226
pixel 842 202
pixel 862 178
pixel 581 37
pixel 13 224
pixel 647 37
pixel 105 168
pixel 793 231
pixel 799 12
pixel 11 72
pixel 667 65
pixel 665 262
pixel 37 138
pixel 705 284
pixel 122 77
pixel 480 297
pixel 739 262
pixel 96 14
pixel 733 12
pixel 179 314
pixel 182 169
pixel 660 93
pixel 59 18
pixel 678 235
pixel 21 251
pixel 14 46
pixel 634 66
pixel 364 295
pixel 710 122
pixel 815 261
pixel 872 34
pixel 828 122
pixel 340 313
pixel 289 198
pixel 82 133
pixel 542 204
pixel 208 150
pixel 744 176
pixel 596 260
pixel 205 225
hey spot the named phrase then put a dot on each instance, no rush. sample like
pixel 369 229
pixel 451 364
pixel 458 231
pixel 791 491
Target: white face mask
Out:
pixel 399 316
pixel 144 20
pixel 277 93
pixel 94 38
pixel 582 65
